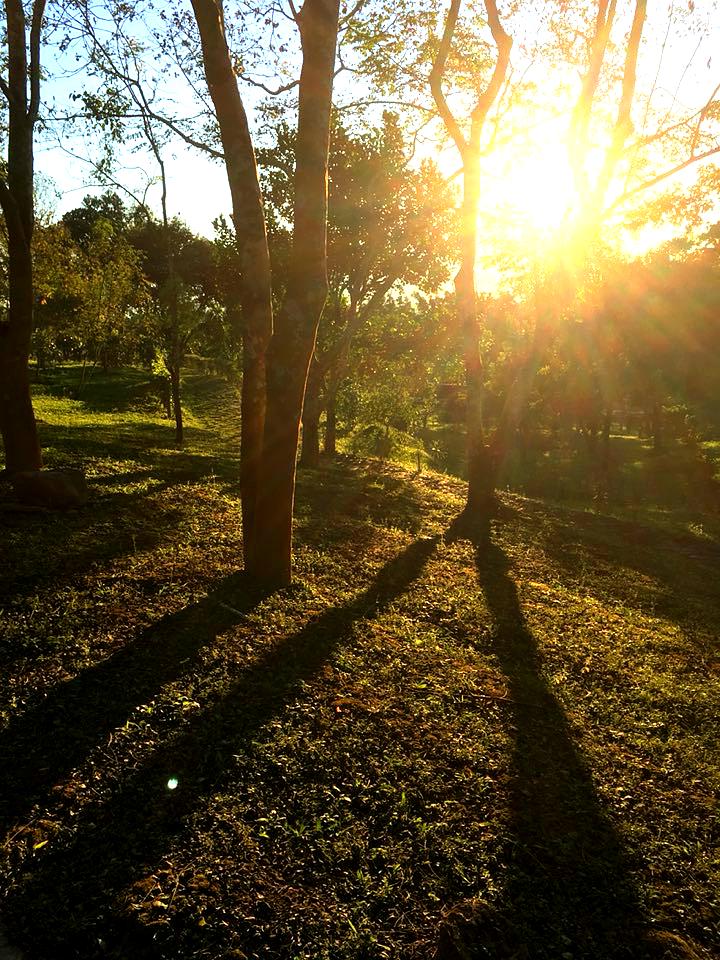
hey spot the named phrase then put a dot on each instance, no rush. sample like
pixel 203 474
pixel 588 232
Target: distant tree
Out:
pixel 181 270
pixel 108 207
pixel 106 282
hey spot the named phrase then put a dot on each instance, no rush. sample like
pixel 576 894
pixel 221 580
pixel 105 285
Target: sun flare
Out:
pixel 538 189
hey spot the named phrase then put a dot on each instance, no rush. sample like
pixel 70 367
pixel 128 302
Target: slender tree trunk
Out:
pixel 330 441
pixel 17 420
pixel 518 393
pixel 481 479
pixel 166 398
pixel 293 340
pixel 480 473
pixel 252 424
pixel 312 408
pixel 254 289
pixel 175 392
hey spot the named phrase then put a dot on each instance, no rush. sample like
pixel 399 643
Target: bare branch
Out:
pixel 647 184
pixel 354 104
pixel 261 86
pixel 580 119
pixel 503 42
pixel 701 117
pixel 437 74
pixel 35 30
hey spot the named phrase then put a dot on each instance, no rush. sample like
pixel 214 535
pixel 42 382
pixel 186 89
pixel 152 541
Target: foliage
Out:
pixel 91 291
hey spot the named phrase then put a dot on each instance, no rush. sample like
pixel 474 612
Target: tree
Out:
pixel 106 283
pixel 277 351
pixel 481 485
pixel 180 268
pixel 21 88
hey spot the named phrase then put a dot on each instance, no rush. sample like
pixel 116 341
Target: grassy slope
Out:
pixel 503 741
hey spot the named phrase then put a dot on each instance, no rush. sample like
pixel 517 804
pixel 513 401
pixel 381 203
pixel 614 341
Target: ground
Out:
pixel 443 740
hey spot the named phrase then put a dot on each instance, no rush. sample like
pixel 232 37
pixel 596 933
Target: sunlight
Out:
pixel 539 188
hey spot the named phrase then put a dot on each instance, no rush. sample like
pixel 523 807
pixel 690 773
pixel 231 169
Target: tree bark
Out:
pixel 480 472
pixel 254 289
pixel 330 440
pixel 481 476
pixel 17 420
pixel 176 402
pixel 293 340
pixel 312 408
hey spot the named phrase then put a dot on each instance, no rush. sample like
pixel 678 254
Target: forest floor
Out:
pixel 441 741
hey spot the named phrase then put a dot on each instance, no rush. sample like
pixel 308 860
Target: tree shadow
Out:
pixel 127 512
pixel 568 890
pixel 74 887
pixel 679 564
pixel 353 490
pixel 43 744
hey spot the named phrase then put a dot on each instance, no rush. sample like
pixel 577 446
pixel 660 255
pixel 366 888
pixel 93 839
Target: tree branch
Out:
pixel 261 86
pixel 623 123
pixel 503 42
pixel 647 184
pixel 437 74
pixel 35 31
pixel 701 118
pixel 580 119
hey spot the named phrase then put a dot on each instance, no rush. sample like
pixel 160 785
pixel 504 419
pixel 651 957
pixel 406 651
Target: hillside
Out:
pixel 463 743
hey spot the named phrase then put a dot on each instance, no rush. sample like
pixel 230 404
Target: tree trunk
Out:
pixel 481 480
pixel 253 420
pixel 293 340
pixel 17 421
pixel 312 408
pixel 176 402
pixel 330 442
pixel 480 473
pixel 254 289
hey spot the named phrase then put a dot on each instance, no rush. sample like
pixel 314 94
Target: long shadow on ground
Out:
pixel 67 905
pixel 42 745
pixel 615 546
pixel 567 892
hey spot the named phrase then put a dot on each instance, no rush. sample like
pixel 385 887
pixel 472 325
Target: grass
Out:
pixel 441 741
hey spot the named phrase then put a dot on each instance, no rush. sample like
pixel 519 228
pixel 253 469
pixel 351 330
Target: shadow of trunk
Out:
pixel 76 887
pixel 567 892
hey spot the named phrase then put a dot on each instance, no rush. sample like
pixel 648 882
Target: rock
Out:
pixel 57 489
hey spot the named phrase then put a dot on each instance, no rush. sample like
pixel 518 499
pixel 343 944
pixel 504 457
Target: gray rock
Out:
pixel 57 489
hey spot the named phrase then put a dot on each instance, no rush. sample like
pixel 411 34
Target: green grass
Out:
pixel 441 741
